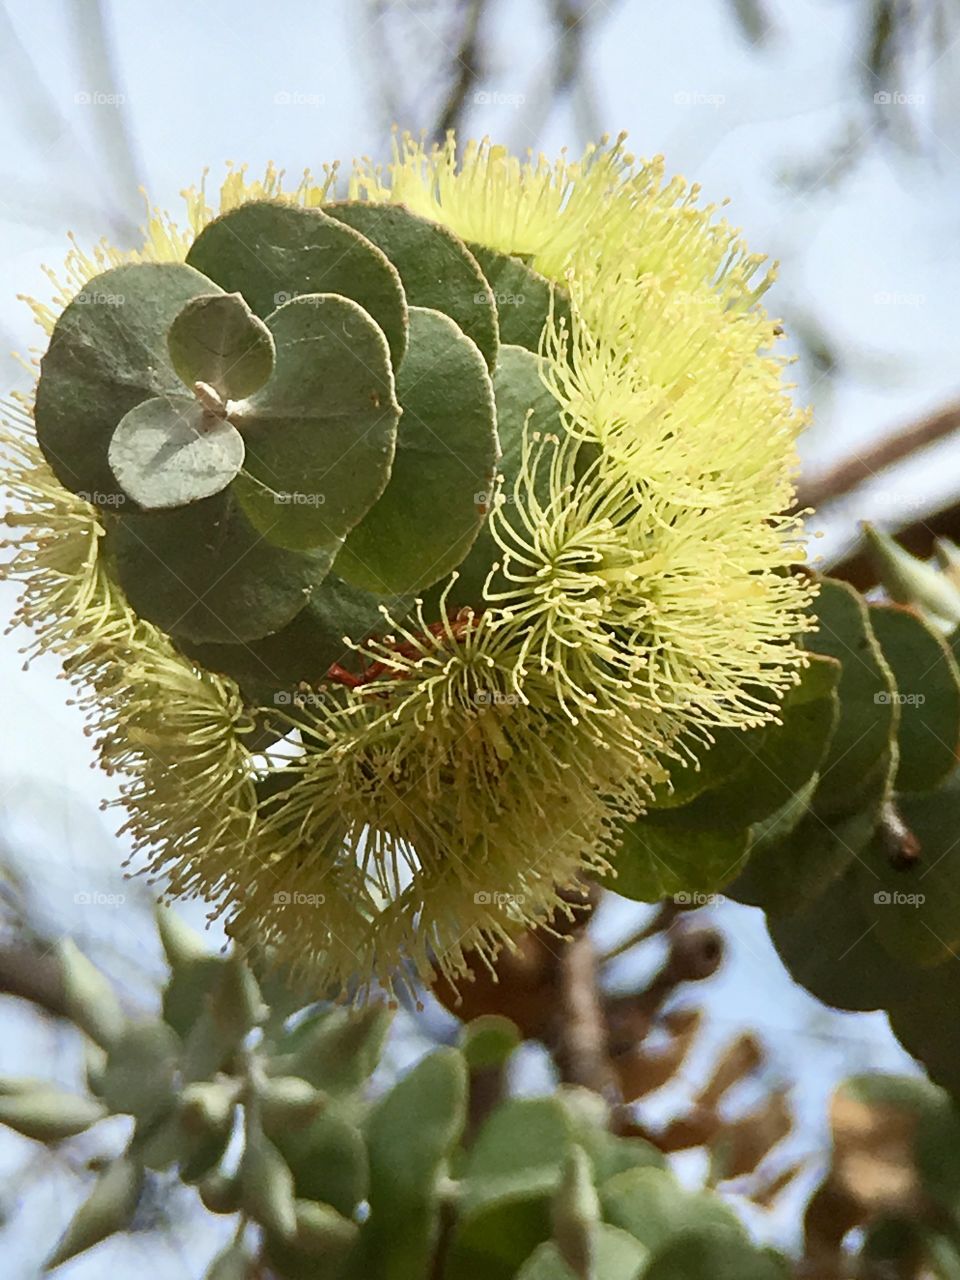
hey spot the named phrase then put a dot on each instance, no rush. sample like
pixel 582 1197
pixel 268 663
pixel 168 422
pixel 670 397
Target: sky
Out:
pixel 873 254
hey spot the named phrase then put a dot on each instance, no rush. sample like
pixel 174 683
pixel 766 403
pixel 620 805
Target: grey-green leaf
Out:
pixel 205 573
pixel 434 505
pixel 218 340
pixel 522 296
pixel 436 267
pixel 107 354
pixel 108 1208
pixel 321 434
pixel 168 452
pixel 272 252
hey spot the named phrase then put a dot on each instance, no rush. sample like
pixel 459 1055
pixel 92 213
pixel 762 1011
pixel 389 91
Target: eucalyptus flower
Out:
pixel 541 554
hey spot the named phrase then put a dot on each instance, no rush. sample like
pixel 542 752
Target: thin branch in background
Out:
pixel 854 471
pixel 110 118
pixel 467 71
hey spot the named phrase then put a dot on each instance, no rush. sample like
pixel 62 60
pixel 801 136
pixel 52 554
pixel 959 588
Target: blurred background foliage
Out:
pixel 834 126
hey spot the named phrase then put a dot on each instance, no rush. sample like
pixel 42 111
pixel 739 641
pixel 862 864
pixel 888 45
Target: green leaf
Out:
pixel 618 1257
pixel 328 1160
pixel 321 435
pixel 48 1114
pixel 217 340
pixel 336 1051
pixel 235 1262
pixel 714 1255
pixel 576 1215
pixel 916 908
pixel 785 875
pixel 271 670
pixel 661 857
pixel 410 1136
pixel 831 949
pixel 266 1184
pixel 232 1008
pixel 910 581
pixel 922 1020
pixel 89 998
pixel 204 573
pixel 436 268
pixel 522 296
pixel 868 712
pixel 653 1207
pixel 488 1042
pixel 928 695
pixel 432 508
pixel 508 1182
pixel 520 395
pixel 107 354
pixel 758 770
pixel 322 1236
pixel 169 451
pixel 139 1075
pixel 271 252
pixel 109 1208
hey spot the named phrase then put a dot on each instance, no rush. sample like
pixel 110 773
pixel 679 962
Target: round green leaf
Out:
pixel 714 1255
pixel 107 354
pixel 436 268
pixel 916 909
pixel 272 252
pixel 830 948
pixel 169 452
pixel 271 670
pixel 928 696
pixel 431 511
pixel 868 710
pixel 520 395
pixel 204 573
pixel 522 297
pixel 216 339
pixel 320 436
pixel 659 856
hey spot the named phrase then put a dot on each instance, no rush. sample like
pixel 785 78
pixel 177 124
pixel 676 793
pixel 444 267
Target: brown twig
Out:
pixel 853 471
pixel 580 1039
pixel 467 71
